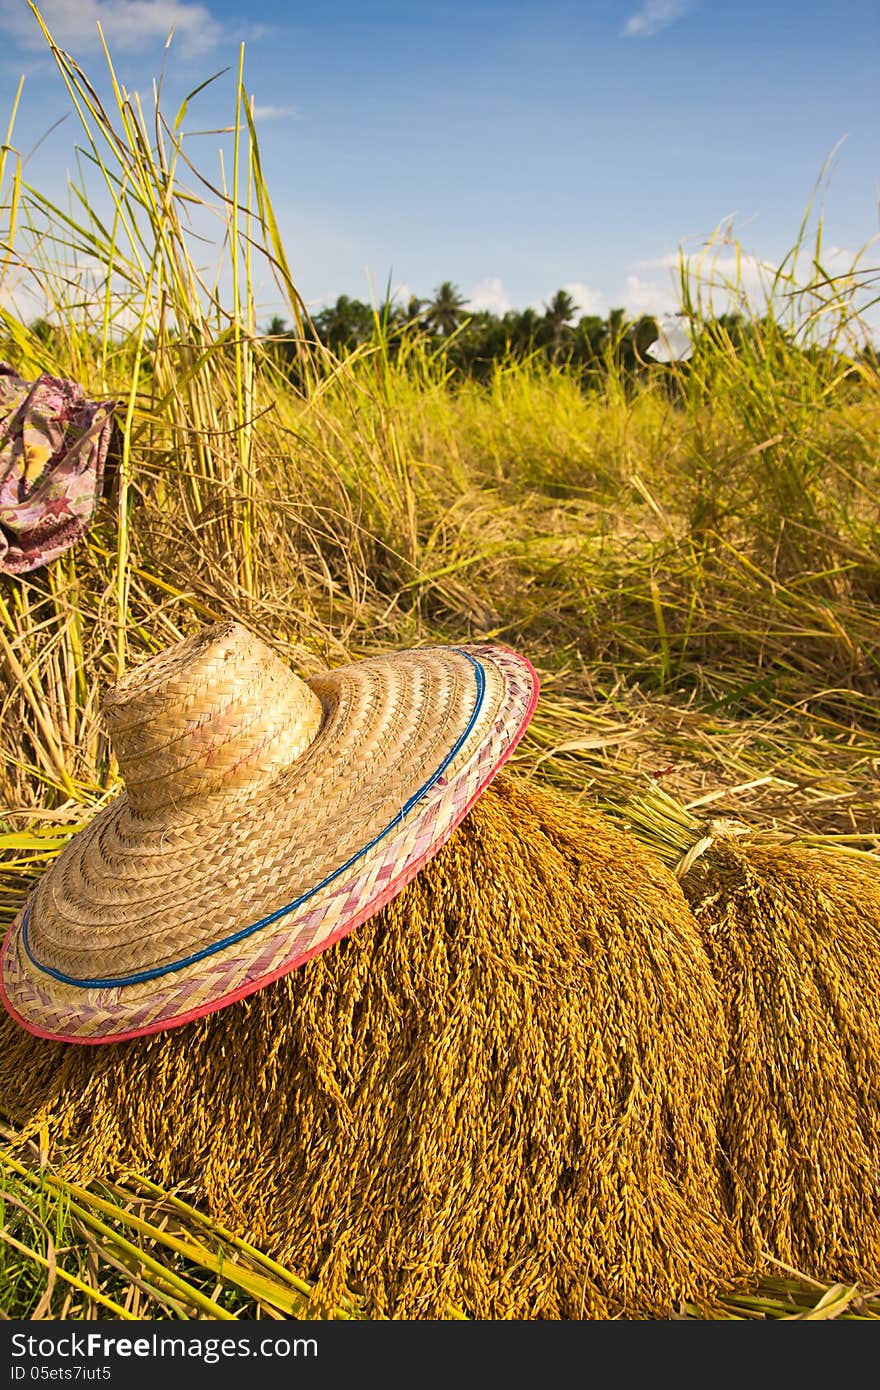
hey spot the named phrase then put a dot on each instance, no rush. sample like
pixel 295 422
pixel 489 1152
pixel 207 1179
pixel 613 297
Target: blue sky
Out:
pixel 510 147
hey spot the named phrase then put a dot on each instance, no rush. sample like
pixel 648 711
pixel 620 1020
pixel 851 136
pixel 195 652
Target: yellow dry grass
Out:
pixel 502 1094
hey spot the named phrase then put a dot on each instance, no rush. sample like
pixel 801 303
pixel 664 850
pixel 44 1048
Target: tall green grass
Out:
pixel 691 560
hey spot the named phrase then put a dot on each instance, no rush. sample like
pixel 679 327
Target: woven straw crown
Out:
pixel 217 712
pixel 263 817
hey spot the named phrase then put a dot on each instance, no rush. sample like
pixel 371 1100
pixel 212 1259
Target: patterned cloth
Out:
pixel 53 443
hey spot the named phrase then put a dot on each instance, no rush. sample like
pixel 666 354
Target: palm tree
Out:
pixel 525 329
pixel 276 327
pixel 558 313
pixel 345 324
pixel 615 324
pixel 445 309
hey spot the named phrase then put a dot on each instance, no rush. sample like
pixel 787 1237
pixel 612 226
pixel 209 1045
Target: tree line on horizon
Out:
pixel 474 340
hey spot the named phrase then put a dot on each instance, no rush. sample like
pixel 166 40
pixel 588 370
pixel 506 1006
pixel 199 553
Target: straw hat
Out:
pixel 263 818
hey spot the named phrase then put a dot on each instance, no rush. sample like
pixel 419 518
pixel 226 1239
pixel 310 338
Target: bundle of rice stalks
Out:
pixel 501 1094
pixel 793 936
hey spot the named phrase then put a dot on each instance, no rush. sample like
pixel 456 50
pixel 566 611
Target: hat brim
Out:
pixel 148 923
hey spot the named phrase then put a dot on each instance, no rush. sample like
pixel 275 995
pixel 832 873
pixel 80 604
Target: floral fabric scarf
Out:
pixel 53 443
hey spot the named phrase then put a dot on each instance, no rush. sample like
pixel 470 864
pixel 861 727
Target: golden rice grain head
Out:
pixel 502 1093
pixel 793 936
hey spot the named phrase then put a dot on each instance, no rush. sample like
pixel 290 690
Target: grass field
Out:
pixel 694 571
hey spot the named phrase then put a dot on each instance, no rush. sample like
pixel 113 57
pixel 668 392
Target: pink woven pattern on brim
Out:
pixel 111 1014
pixel 53 444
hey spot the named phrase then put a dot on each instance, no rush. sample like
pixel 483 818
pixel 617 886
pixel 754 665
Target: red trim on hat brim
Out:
pixel 244 991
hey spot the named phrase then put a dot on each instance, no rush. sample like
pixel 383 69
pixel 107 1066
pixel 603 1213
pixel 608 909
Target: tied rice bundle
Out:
pixel 501 1094
pixel 793 937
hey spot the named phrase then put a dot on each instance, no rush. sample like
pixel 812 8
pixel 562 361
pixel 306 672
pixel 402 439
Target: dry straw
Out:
pixel 793 936
pixel 501 1094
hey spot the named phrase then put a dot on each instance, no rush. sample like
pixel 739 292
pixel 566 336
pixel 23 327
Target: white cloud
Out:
pixel 75 291
pixel 126 24
pixel 403 292
pixel 588 301
pixel 720 264
pixel 715 278
pixel 23 300
pixel 654 16
pixel 833 299
pixel 273 113
pixel 489 294
pixel 646 296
